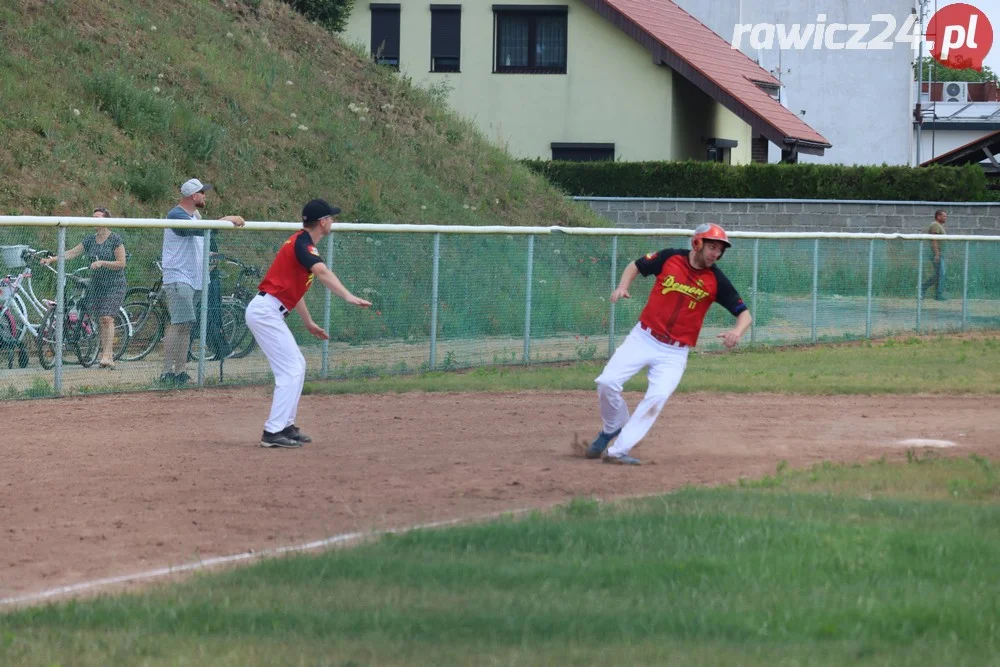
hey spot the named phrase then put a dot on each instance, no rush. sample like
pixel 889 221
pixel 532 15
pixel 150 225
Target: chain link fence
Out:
pixel 447 298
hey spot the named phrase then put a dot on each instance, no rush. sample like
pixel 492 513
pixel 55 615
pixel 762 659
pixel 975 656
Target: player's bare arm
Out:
pixel 732 337
pixel 235 219
pixel 307 320
pixel 329 280
pixel 628 275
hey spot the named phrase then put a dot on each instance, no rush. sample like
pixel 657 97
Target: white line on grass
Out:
pixel 336 540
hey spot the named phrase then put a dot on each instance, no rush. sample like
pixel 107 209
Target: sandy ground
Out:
pixel 101 486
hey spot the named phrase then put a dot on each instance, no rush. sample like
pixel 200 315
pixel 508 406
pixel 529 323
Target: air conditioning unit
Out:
pixel 956 91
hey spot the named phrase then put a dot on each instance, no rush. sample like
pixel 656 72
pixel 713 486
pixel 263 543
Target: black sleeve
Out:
pixel 184 231
pixel 306 252
pixel 727 296
pixel 652 263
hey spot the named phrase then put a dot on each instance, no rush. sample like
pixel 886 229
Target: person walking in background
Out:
pixel 937 260
pixel 183 255
pixel 281 291
pixel 687 283
pixel 106 251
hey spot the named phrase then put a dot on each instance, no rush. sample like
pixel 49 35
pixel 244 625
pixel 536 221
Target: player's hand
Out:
pixel 47 260
pixel 236 220
pixel 730 339
pixel 620 293
pixel 355 301
pixel 317 330
pixel 96 265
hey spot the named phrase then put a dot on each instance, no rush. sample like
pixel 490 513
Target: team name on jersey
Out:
pixel 670 284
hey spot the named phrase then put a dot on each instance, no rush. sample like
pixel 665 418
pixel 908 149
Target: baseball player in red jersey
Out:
pixel 687 283
pixel 286 282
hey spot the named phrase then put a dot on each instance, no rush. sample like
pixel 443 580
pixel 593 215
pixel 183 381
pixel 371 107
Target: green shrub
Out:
pixel 149 181
pixel 331 14
pixel 135 111
pixel 765 181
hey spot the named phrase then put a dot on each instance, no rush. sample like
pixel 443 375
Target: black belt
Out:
pixel 663 339
pixel 281 307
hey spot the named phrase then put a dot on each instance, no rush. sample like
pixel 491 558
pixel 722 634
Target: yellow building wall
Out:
pixel 611 92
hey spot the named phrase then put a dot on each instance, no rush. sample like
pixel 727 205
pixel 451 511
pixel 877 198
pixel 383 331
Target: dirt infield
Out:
pixel 102 486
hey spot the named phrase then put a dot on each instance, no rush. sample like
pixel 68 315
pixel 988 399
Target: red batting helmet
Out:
pixel 709 232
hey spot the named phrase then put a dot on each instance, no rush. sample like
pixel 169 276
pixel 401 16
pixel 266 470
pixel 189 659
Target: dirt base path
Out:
pixel 102 486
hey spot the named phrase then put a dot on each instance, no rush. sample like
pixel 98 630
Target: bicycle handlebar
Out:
pixel 31 253
pixel 243 265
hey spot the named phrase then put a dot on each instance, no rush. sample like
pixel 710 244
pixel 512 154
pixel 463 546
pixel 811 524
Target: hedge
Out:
pixel 765 181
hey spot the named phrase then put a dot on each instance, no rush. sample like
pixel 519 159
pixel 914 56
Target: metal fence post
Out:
pixel 965 288
pixel 920 282
pixel 527 300
pixel 203 329
pixel 434 298
pixel 871 271
pixel 815 294
pixel 60 308
pixel 753 291
pixel 614 277
pixel 327 300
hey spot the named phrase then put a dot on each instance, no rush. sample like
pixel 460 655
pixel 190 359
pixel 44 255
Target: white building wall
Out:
pixel 861 101
pixel 612 91
pixel 938 142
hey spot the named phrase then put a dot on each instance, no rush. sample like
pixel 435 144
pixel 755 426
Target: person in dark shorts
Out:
pixel 106 252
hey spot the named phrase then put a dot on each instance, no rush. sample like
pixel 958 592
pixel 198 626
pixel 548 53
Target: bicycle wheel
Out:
pixel 86 339
pixel 242 340
pixel 123 332
pixel 45 342
pixel 233 324
pixel 195 347
pixel 148 325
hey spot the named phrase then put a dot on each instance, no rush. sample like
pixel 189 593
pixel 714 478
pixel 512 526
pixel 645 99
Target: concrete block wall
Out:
pixel 796 215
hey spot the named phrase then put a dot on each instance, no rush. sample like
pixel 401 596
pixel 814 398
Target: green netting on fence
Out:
pixel 497 299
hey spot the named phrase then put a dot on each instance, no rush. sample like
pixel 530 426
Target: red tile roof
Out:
pixel 707 60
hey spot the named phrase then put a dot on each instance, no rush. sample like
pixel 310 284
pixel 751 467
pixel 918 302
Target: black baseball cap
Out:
pixel 317 209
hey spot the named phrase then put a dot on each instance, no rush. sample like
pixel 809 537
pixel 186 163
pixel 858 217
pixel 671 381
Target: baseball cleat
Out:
pixel 278 440
pixel 294 433
pixel 600 443
pixel 624 460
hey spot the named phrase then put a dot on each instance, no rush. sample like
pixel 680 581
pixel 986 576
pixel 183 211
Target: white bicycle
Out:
pixel 81 332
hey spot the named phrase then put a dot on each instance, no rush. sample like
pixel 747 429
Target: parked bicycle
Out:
pixel 147 311
pixel 81 332
pixel 19 304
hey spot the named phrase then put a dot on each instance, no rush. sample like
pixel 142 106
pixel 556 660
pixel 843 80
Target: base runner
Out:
pixel 286 282
pixel 687 283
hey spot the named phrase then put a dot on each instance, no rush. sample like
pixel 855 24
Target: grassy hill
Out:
pixel 115 103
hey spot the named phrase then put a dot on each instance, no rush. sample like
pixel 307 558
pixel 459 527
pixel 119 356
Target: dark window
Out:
pixel 759 149
pixel 446 38
pixel 385 34
pixel 530 39
pixel 583 152
pixel 720 150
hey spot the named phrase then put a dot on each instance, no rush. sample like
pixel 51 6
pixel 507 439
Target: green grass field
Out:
pixel 876 565
pixel 929 364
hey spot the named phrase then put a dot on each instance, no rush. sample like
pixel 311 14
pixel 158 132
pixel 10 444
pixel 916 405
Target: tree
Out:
pixel 935 71
pixel 331 14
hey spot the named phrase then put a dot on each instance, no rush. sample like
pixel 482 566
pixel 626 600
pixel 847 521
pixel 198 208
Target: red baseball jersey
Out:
pixel 682 295
pixel 290 274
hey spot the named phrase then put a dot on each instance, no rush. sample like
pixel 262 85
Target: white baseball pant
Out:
pixel 666 367
pixel 266 320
